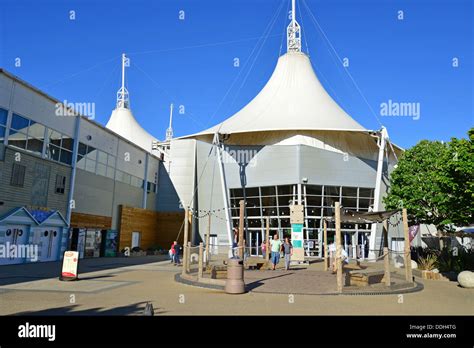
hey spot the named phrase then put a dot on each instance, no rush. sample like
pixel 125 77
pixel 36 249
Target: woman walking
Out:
pixel 288 251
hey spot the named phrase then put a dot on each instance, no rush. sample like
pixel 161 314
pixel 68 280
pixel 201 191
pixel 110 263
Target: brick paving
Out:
pixel 153 282
pixel 301 281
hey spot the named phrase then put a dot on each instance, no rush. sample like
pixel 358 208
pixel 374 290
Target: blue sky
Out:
pixel 190 62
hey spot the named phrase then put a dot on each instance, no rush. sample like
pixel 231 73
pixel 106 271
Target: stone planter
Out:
pixel 433 275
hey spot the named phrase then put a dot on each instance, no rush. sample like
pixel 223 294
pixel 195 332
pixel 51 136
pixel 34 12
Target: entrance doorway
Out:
pixel 312 242
pixel 49 244
pixel 15 236
pixel 136 238
pixel 255 241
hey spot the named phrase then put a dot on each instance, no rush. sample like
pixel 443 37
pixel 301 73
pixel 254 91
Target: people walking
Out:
pixel 275 247
pixel 171 252
pixel 263 246
pixel 287 251
pixel 235 243
pixel 177 248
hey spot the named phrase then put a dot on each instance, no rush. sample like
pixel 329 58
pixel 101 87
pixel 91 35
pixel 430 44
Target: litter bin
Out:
pixel 235 276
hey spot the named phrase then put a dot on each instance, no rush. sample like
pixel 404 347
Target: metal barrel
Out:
pixel 235 276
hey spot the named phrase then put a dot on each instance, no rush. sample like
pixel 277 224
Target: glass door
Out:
pixel 255 241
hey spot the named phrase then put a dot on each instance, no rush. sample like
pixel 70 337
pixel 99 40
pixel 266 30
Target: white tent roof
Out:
pixel 293 99
pixel 124 123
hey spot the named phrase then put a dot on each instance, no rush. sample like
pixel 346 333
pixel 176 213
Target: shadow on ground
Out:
pixel 14 274
pixel 133 309
pixel 253 285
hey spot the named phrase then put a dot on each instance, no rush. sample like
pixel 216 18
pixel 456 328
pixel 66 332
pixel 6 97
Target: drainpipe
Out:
pixel 73 169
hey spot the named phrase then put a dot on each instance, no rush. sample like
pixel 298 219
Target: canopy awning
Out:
pixel 355 217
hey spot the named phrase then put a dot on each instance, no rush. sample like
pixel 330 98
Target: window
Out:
pixel 18 175
pixel 59 147
pixel 3 117
pixel 151 187
pixel 20 123
pixel 3 123
pixel 60 185
pixel 26 134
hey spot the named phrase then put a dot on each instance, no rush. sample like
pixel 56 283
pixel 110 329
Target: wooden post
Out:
pixel 267 239
pixel 208 238
pixel 200 263
pixel 385 233
pixel 188 258
pixel 241 229
pixel 185 239
pixel 325 244
pixel 386 258
pixel 408 272
pixel 338 247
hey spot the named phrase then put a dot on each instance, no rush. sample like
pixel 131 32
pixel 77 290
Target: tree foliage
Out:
pixel 435 182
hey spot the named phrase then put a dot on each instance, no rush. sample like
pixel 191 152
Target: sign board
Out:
pixel 296 214
pixel 297 242
pixel 111 243
pixel 70 262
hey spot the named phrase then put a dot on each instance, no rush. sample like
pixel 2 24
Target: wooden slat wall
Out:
pixel 156 228
pixel 90 221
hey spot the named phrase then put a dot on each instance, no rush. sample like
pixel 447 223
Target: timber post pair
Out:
pixel 338 260
pixel 187 248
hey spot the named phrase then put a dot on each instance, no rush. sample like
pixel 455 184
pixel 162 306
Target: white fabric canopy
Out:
pixel 293 99
pixel 124 123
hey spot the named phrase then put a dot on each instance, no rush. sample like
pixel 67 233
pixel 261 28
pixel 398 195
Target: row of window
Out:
pixel 101 163
pixel 275 202
pixel 30 135
pixel 18 179
pixel 311 190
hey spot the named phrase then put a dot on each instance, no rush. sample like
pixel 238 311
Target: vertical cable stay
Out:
pixel 314 20
pixel 303 33
pixel 284 28
pixel 265 35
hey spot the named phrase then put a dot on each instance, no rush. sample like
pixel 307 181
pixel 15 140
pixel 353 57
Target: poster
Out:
pixel 297 241
pixel 70 262
pixel 81 241
pixel 111 243
pixel 90 243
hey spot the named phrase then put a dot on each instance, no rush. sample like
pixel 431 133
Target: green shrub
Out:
pixel 427 263
pixel 455 260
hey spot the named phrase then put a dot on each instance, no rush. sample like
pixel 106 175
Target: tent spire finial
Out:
pixel 122 94
pixel 293 32
pixel 169 131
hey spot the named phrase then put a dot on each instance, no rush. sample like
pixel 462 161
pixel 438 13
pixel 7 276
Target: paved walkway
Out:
pixel 141 280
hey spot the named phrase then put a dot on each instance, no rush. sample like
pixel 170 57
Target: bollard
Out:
pixel 235 277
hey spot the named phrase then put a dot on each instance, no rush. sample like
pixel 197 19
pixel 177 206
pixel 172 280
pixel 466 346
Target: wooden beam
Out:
pixel 241 229
pixel 338 247
pixel 385 233
pixel 267 239
pixel 408 272
pixel 185 240
pixel 386 257
pixel 386 260
pixel 325 244
pixel 188 258
pixel 208 238
pixel 200 263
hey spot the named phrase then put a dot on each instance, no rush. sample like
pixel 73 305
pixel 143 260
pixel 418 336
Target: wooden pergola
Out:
pixel 353 217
